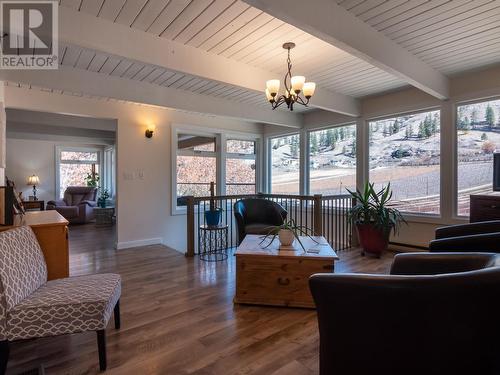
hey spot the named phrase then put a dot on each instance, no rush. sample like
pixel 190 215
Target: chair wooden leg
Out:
pixel 101 346
pixel 117 315
pixel 4 356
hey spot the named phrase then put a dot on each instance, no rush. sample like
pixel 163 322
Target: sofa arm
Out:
pixel 56 203
pixel 468 229
pixel 89 203
pixel 240 224
pixel 476 243
pixel 440 263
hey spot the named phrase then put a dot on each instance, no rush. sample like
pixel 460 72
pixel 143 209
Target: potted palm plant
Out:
pixel 374 218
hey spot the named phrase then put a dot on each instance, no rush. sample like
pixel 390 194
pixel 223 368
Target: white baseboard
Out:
pixel 145 242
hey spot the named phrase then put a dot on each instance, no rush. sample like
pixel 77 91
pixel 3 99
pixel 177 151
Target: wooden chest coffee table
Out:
pixel 279 277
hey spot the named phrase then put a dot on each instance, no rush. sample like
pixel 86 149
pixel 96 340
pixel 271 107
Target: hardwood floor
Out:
pixel 178 318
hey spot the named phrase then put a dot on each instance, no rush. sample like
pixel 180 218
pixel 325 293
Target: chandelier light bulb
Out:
pixel 298 83
pixel 273 85
pixel 269 96
pixel 309 88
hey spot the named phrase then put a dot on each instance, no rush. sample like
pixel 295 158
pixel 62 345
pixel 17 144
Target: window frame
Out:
pixel 454 135
pixel 221 136
pixel 410 216
pixel 232 155
pixel 269 159
pixel 307 174
pixel 60 149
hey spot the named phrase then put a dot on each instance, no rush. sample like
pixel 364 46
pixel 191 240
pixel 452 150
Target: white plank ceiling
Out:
pixel 235 30
pixel 450 35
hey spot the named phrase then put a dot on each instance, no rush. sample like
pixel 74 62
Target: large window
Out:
pixel 240 167
pixel 75 165
pixel 200 159
pixel 196 165
pixel 332 160
pixel 478 136
pixel 285 164
pixel 405 151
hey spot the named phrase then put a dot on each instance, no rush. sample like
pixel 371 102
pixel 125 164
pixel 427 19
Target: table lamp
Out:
pixel 33 181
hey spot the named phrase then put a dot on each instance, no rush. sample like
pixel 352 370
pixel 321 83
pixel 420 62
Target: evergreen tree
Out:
pixel 474 118
pixel 427 126
pixel 314 143
pixel 342 133
pixel 353 147
pixel 336 134
pixel 344 150
pixel 294 146
pixel 435 124
pixel 330 141
pixel 409 131
pixel 467 125
pixel 490 116
pixel 385 131
pixel 460 118
pixel 421 130
pixel 484 137
pixel 395 126
pixel 322 139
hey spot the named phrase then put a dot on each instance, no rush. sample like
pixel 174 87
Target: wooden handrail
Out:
pixel 277 196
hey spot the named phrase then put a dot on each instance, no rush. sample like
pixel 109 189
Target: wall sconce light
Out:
pixel 149 131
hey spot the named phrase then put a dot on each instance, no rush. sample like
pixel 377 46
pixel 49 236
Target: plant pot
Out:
pixel 286 237
pixel 213 217
pixel 373 240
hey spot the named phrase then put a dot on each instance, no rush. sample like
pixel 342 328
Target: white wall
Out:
pixel 143 205
pixel 26 157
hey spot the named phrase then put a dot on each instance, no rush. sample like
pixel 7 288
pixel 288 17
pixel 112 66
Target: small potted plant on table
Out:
pixel 374 218
pixel 287 232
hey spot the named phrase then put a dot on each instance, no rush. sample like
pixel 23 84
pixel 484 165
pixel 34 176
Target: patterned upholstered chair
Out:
pixel 31 306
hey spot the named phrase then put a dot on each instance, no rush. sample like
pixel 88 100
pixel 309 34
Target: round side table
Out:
pixel 212 242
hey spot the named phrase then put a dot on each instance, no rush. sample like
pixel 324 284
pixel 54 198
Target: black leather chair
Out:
pixel 481 236
pixel 256 215
pixel 420 319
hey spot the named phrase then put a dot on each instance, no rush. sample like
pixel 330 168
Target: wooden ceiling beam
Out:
pixel 80 29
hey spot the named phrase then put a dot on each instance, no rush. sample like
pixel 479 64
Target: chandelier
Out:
pixel 293 87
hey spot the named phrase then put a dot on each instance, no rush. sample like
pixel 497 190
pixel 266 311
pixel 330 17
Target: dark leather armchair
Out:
pixel 78 204
pixel 256 215
pixel 481 236
pixel 420 319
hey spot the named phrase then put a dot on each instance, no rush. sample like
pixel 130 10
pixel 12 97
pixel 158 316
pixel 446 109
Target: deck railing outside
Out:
pixel 322 215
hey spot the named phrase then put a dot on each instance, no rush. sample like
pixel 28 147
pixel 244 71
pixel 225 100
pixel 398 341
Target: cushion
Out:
pixel 75 304
pixel 258 228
